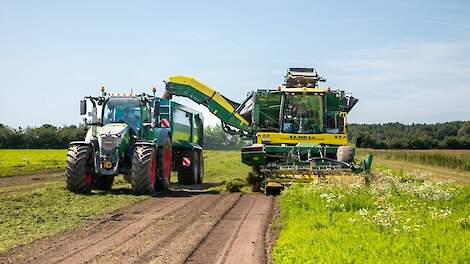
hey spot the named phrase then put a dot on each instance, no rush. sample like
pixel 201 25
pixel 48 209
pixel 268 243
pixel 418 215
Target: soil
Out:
pixel 180 226
pixel 32 179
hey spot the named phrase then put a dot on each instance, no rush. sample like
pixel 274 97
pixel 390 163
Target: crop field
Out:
pixel 32 211
pixel 23 161
pixel 451 159
pixel 397 219
pixel 400 218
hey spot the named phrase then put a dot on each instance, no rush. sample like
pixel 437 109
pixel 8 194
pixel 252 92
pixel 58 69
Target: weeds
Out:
pixel 452 159
pixel 398 219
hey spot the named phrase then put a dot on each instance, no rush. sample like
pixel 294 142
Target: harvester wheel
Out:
pixel 189 174
pixel 345 154
pixel 79 169
pixel 200 179
pixel 143 174
pixel 164 166
pixel 104 182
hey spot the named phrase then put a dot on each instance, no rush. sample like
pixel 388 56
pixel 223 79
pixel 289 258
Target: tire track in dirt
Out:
pixel 31 179
pixel 177 227
pixel 239 236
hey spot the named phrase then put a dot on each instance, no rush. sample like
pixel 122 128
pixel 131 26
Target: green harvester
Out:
pixel 298 132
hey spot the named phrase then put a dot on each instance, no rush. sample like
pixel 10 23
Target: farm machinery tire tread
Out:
pixel 77 169
pixel 142 170
pixel 162 182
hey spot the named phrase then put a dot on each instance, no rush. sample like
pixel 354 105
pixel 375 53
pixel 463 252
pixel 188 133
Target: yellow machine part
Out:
pixel 287 138
pixel 208 91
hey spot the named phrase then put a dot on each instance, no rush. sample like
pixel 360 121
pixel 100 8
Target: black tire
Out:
pixel 200 179
pixel 164 166
pixel 345 154
pixel 143 173
pixel 103 182
pixel 188 175
pixel 79 169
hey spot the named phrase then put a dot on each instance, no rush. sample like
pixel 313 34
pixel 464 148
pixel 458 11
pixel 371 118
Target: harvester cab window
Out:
pixel 267 115
pixel 303 114
pixel 123 110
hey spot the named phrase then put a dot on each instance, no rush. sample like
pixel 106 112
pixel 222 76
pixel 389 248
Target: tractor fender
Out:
pixel 81 143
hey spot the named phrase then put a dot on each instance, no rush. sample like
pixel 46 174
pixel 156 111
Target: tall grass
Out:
pixel 394 220
pixel 452 159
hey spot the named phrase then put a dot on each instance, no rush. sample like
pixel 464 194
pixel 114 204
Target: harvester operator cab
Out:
pixel 303 114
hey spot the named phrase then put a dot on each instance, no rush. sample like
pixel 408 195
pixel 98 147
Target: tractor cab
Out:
pixel 124 110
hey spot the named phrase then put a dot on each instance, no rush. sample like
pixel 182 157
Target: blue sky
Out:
pixel 407 61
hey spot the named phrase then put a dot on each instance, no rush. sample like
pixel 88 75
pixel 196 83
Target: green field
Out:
pixel 24 161
pixel 29 212
pixel 398 219
pixel 451 159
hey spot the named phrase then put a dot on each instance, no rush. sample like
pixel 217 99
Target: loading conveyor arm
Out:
pixel 217 104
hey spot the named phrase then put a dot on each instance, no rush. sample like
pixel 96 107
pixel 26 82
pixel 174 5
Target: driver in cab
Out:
pixel 131 119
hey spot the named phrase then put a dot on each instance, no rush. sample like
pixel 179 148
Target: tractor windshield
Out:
pixel 123 110
pixel 303 113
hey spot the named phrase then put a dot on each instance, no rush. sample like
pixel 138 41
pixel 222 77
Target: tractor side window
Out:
pixel 197 131
pixel 146 115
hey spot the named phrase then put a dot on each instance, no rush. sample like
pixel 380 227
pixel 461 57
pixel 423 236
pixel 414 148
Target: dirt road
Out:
pixel 181 226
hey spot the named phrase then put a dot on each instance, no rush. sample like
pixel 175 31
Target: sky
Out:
pixel 406 61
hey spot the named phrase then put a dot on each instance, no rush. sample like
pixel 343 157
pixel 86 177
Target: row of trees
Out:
pixel 43 137
pixel 450 135
pixel 51 137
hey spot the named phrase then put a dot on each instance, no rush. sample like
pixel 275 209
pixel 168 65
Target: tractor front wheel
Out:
pixel 143 174
pixel 79 169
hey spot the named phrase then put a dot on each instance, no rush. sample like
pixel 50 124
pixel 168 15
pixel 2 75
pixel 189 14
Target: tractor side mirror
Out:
pixel 82 107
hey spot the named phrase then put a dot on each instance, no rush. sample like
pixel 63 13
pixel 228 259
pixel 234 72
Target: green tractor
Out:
pixel 140 136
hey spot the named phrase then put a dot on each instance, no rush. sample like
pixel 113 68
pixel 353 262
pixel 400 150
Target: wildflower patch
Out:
pixel 399 219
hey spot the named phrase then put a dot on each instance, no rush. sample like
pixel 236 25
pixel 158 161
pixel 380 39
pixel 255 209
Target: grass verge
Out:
pixel 226 167
pixel 25 161
pixel 398 219
pixel 451 159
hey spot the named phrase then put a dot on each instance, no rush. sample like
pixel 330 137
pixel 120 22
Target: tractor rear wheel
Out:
pixel 103 182
pixel 79 169
pixel 188 174
pixel 143 173
pixel 164 166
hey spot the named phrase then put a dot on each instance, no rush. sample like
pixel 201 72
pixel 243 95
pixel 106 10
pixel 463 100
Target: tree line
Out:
pixel 450 135
pixel 52 137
